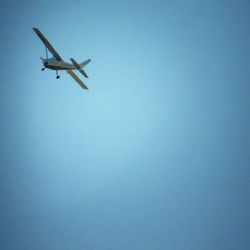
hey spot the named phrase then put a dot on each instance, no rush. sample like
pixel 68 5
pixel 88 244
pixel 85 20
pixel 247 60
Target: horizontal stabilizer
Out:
pixel 77 66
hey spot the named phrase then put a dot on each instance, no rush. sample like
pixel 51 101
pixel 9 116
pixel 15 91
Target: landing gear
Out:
pixel 57 76
pixel 43 69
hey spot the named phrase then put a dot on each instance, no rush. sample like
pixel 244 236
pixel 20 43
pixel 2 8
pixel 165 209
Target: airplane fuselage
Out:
pixel 54 64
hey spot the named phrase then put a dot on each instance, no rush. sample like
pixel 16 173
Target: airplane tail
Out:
pixel 85 63
pixel 79 66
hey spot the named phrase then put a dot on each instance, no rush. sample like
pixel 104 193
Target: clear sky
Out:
pixel 155 156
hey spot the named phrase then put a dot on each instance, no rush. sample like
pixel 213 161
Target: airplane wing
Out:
pixel 47 44
pixel 77 79
pixel 79 68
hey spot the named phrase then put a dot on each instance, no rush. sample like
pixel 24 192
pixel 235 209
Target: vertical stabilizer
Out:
pixel 85 63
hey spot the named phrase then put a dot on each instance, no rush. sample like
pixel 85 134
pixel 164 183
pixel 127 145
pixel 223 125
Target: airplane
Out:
pixel 56 63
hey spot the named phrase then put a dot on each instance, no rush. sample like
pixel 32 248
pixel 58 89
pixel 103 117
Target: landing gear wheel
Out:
pixel 57 76
pixel 43 69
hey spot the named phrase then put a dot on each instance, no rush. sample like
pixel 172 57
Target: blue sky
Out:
pixel 155 155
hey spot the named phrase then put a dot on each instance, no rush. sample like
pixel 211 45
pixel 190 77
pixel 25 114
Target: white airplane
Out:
pixel 56 63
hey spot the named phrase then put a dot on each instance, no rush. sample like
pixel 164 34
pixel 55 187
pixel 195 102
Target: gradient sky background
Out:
pixel 155 155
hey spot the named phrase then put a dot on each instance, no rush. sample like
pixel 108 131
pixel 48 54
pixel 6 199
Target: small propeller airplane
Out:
pixel 56 63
